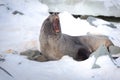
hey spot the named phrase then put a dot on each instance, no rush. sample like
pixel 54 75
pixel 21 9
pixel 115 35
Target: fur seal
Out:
pixel 54 44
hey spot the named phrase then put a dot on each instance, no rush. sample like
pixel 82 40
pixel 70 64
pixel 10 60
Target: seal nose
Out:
pixel 56 14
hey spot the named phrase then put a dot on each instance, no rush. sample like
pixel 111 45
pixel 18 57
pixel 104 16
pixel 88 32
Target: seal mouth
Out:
pixel 56 24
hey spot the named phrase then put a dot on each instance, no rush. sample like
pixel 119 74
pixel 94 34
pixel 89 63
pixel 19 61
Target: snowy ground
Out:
pixel 20 32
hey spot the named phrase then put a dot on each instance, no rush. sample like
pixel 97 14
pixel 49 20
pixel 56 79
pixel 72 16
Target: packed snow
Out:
pixel 20 23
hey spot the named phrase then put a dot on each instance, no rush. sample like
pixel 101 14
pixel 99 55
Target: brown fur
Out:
pixel 54 44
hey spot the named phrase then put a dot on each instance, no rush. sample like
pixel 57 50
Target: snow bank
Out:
pixel 85 7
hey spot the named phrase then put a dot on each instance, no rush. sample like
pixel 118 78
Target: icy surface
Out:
pixel 19 32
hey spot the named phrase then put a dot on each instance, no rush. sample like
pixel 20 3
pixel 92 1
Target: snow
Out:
pixel 66 68
pixel 79 27
pixel 26 26
pixel 106 28
pixel 21 32
pixel 85 7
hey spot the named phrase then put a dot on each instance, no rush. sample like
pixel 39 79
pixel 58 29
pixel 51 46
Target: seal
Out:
pixel 54 44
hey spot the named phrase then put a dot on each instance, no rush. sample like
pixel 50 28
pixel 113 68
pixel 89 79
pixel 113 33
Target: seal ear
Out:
pixel 82 54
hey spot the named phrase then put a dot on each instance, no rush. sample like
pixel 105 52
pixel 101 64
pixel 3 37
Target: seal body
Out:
pixel 54 44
